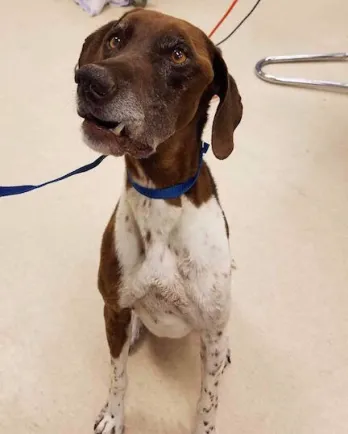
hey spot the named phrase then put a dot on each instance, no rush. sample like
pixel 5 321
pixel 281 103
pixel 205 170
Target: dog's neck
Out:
pixel 175 160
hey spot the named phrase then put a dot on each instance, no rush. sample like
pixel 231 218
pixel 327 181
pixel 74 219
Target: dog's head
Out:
pixel 144 77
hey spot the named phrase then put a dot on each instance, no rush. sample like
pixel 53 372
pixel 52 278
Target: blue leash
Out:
pixel 20 189
pixel 152 193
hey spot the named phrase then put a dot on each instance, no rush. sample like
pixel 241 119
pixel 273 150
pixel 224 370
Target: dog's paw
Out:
pixel 107 423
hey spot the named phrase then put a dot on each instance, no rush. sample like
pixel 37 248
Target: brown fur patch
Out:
pixel 109 268
pixel 116 325
pixel 116 320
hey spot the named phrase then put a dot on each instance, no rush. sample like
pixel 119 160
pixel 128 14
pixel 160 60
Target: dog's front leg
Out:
pixel 118 332
pixel 215 357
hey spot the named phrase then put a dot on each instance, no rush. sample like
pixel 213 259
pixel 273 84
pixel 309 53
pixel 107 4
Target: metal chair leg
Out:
pixel 312 84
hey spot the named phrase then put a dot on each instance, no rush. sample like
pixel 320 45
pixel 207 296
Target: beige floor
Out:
pixel 285 191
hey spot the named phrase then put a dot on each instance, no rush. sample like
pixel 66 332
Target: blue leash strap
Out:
pixel 174 191
pixel 20 189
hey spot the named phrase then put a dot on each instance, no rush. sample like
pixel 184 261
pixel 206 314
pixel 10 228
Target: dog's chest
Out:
pixel 171 256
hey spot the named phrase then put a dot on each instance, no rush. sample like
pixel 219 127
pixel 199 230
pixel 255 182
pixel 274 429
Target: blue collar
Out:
pixel 174 191
pixel 153 193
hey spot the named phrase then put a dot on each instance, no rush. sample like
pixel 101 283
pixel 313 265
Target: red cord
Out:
pixel 229 10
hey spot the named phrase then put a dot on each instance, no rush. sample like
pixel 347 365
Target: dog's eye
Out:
pixel 114 42
pixel 178 56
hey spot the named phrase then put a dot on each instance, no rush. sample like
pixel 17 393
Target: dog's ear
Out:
pixel 229 111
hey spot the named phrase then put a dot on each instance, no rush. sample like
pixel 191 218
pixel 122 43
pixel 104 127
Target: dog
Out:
pixel 144 85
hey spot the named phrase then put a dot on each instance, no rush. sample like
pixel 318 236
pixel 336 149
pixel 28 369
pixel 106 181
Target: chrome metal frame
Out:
pixel 302 82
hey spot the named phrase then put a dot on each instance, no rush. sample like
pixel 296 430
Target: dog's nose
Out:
pixel 95 82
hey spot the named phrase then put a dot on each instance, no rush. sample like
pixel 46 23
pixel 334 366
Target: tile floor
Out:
pixel 285 192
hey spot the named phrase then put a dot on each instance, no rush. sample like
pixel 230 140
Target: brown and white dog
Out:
pixel 144 87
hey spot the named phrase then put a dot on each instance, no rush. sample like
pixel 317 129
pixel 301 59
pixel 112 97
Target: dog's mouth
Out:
pixel 117 128
pixel 112 138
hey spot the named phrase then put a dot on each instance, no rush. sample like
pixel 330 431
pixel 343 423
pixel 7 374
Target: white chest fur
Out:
pixel 175 263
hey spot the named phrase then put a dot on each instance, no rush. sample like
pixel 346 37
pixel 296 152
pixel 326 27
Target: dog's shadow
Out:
pixel 173 368
pixel 141 423
pixel 178 354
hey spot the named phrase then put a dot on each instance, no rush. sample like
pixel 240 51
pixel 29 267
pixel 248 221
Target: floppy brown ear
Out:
pixel 229 111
